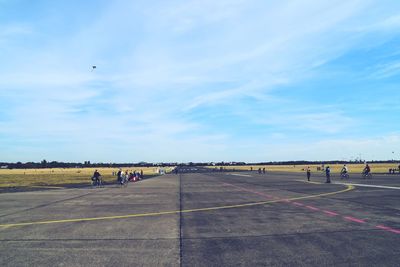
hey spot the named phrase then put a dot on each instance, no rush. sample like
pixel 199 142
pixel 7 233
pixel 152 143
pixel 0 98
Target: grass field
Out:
pixel 335 168
pixel 58 176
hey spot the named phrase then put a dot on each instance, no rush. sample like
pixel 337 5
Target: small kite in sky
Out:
pixel 93 68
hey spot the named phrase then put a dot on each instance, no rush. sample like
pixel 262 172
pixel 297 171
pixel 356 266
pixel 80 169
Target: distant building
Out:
pixel 4 167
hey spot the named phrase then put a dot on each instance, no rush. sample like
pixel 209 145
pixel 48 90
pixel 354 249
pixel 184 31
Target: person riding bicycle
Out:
pixel 344 172
pixel 367 170
pixel 96 178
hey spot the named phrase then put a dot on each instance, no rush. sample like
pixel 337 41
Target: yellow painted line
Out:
pixel 348 188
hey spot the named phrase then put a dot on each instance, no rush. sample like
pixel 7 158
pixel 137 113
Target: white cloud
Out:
pixel 156 63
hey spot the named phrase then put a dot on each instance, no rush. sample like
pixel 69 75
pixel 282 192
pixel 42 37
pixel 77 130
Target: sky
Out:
pixel 199 80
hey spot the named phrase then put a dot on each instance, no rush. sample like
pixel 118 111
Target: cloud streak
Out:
pixel 234 64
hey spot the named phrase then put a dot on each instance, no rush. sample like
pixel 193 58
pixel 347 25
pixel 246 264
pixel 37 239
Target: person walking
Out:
pixel 126 178
pixel 308 173
pixel 328 174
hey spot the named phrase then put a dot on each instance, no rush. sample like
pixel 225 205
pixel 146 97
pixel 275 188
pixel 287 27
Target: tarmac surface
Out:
pixel 199 218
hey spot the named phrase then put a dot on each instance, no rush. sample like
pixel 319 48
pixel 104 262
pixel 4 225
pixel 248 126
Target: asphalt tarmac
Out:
pixel 199 218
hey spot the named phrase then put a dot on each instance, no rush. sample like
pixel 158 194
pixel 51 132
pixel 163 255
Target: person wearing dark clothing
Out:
pixel 263 170
pixel 366 172
pixel 119 176
pixel 308 173
pixel 328 174
pixel 96 178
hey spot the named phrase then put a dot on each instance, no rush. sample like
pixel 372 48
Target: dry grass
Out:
pixel 335 168
pixel 58 176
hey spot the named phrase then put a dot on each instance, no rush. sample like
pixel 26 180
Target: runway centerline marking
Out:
pixel 348 188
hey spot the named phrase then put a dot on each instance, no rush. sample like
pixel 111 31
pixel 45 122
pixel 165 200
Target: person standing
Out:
pixel 328 174
pixel 119 176
pixel 308 173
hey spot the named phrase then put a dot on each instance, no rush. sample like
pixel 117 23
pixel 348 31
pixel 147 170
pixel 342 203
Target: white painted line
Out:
pixel 309 182
pixel 370 185
pixel 244 175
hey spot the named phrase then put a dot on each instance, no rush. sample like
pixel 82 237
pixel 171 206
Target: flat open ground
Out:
pixel 206 219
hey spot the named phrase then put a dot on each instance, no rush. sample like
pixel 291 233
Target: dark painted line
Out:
pixel 180 222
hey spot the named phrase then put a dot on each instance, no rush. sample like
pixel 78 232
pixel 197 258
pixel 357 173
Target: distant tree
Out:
pixel 43 163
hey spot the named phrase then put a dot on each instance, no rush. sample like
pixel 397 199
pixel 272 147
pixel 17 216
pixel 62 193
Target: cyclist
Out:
pixel 344 173
pixel 96 178
pixel 367 171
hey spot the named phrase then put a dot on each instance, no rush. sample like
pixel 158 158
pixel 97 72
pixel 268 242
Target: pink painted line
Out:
pixel 382 227
pixel 394 231
pixel 331 213
pixel 353 219
pixel 388 229
pixel 312 208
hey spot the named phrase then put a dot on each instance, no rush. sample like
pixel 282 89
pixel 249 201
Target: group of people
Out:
pixel 344 173
pixel 122 177
pixel 261 171
pixel 128 176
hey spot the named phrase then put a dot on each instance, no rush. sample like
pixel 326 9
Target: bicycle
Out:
pixel 97 182
pixel 366 175
pixel 344 175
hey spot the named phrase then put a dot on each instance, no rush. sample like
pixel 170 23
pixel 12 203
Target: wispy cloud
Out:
pixel 386 70
pixel 162 64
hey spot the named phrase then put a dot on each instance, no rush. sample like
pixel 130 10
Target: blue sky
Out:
pixel 199 80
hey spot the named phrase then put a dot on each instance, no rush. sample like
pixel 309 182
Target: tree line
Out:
pixel 57 164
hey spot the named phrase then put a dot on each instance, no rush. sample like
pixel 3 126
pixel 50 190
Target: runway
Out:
pixel 203 218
